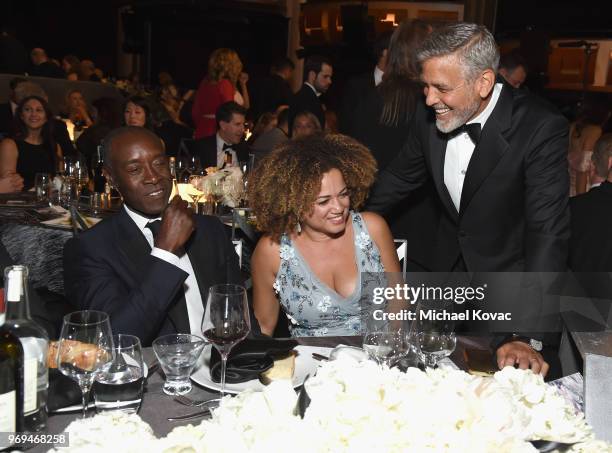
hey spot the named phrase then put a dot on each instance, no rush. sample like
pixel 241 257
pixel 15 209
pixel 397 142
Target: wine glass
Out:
pixel 434 335
pixel 226 321
pixel 81 176
pixel 385 346
pixel 195 181
pixel 85 346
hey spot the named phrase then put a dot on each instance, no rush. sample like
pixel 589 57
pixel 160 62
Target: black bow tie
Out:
pixel 228 146
pixel 472 129
pixel 154 226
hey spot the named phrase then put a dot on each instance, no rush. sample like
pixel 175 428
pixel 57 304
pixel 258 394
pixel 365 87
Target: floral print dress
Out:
pixel 313 308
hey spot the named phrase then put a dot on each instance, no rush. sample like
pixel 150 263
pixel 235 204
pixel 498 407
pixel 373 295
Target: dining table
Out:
pixel 157 407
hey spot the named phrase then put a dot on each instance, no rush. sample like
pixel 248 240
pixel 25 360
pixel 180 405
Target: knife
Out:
pixel 198 414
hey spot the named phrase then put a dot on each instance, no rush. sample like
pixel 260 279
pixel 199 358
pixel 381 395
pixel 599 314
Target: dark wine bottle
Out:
pixel 99 179
pixel 11 390
pixel 34 342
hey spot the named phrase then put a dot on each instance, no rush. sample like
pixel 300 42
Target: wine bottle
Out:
pixel 11 392
pixel 99 179
pixel 174 181
pixel 34 341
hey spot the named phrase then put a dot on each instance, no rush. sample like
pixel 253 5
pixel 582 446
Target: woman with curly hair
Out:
pixel 219 86
pixel 304 195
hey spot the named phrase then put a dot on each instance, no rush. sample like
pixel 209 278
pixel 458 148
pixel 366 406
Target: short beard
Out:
pixel 460 117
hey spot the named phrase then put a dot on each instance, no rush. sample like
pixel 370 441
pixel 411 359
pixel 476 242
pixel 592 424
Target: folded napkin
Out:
pixel 249 358
pixel 63 391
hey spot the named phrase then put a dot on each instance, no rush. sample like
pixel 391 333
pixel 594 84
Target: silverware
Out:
pixel 199 414
pixel 318 356
pixel 192 403
pixel 303 400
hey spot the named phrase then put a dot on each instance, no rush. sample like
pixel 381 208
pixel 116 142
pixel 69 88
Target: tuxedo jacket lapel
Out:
pixel 201 264
pixel 490 148
pixel 137 250
pixel 437 147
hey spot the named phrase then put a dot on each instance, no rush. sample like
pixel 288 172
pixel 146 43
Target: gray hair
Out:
pixel 473 44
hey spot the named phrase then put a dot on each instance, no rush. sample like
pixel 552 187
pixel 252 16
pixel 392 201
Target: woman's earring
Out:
pixel 298 228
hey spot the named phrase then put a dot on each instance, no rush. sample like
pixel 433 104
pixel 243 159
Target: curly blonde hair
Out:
pixel 224 64
pixel 287 181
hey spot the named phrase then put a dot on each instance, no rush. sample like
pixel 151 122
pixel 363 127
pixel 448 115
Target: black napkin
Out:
pixel 249 358
pixel 63 391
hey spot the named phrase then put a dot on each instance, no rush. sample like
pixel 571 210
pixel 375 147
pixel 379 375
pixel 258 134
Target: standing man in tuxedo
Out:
pixel 498 160
pixel 150 265
pixel 318 72
pixel 272 92
pixel 590 243
pixel 358 87
pixel 229 138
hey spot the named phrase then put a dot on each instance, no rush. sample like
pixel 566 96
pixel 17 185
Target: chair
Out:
pixel 401 247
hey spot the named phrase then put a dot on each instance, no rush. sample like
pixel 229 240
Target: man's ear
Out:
pixel 485 83
pixel 312 76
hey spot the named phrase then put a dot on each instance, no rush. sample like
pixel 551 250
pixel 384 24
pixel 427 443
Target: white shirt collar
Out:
pixel 378 75
pixel 313 89
pixel 486 113
pixel 140 220
pixel 220 143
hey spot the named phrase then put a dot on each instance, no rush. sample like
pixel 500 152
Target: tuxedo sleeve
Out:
pixel 92 282
pixel 406 173
pixel 547 198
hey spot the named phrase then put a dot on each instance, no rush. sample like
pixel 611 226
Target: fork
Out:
pixel 186 401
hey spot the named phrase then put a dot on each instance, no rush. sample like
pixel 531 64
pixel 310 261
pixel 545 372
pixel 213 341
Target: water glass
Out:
pixel 95 202
pixel 178 355
pixel 435 345
pixel 42 184
pixel 67 191
pixel 85 346
pixel 119 384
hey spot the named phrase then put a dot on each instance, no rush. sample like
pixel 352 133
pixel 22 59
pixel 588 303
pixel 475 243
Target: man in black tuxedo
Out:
pixel 150 265
pixel 318 74
pixel 358 87
pixel 228 141
pixel 272 91
pixel 43 67
pixel 498 160
pixel 590 244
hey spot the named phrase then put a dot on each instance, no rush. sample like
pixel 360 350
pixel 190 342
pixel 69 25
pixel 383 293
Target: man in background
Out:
pixel 513 69
pixel 43 67
pixel 591 214
pixel 228 143
pixel 357 87
pixel 273 91
pixel 318 72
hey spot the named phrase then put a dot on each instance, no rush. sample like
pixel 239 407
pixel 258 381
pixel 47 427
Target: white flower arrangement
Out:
pixel 359 406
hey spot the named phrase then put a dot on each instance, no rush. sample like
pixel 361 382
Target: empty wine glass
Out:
pixel 85 346
pixel 434 335
pixel 385 347
pixel 226 321
pixel 178 355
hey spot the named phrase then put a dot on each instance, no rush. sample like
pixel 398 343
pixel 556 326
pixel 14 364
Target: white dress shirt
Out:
pixel 378 75
pixel 221 153
pixel 459 150
pixel 313 89
pixel 193 298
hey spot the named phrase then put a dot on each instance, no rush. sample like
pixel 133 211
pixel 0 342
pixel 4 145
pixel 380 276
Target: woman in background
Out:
pixel 137 113
pixel 305 124
pixel 304 195
pixel 220 86
pixel 32 149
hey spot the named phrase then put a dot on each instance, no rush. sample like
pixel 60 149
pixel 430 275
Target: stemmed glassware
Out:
pixel 434 338
pixel 196 195
pixel 226 321
pixel 385 345
pixel 81 177
pixel 85 346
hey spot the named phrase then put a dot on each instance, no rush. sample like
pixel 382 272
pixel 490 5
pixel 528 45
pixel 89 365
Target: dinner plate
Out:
pixel 304 365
